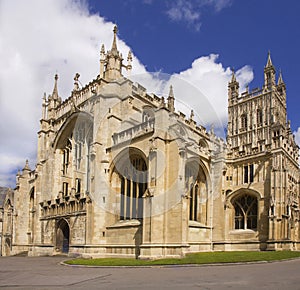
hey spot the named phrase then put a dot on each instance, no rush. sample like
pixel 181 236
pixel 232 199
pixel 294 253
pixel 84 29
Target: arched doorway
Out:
pixel 62 236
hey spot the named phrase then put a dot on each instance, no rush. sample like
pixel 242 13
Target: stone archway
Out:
pixel 62 236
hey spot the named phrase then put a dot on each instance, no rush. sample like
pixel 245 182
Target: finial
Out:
pixel 115 30
pixel 76 80
pixel 102 48
pixel 129 57
pixel 26 167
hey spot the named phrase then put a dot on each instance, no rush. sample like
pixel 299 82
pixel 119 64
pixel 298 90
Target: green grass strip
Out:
pixel 195 258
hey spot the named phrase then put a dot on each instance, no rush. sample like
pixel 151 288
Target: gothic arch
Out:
pixel 68 126
pixel 244 209
pixel 62 236
pixel 197 186
pixel 234 194
pixel 128 182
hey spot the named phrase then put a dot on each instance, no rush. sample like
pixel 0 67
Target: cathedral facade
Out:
pixel 120 173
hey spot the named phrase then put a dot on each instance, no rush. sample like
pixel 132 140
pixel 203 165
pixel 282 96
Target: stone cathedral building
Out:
pixel 120 173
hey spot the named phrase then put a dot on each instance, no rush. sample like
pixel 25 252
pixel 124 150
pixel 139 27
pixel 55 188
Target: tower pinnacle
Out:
pixel 114 48
pixel 55 91
pixel 280 79
pixel 269 61
pixel 269 73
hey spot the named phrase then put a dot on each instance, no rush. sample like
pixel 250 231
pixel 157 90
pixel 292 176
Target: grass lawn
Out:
pixel 196 258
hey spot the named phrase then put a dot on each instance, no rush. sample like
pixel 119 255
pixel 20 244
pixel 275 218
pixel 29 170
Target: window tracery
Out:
pixel 245 216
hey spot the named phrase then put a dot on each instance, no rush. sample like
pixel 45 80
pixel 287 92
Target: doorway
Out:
pixel 63 236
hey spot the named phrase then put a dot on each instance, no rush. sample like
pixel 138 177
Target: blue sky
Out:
pixel 241 32
pixel 193 42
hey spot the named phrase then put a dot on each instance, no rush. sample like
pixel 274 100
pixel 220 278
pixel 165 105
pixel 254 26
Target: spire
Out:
pixel 269 73
pixel 280 79
pixel 171 99
pixel 269 61
pixel 112 63
pixel 55 91
pixel 114 48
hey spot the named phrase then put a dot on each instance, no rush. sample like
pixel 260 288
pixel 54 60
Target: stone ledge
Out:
pixel 124 224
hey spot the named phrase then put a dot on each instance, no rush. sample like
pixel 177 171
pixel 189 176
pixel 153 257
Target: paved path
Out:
pixel 47 273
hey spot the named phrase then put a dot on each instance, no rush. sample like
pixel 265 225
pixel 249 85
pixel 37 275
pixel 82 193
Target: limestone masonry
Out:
pixel 120 173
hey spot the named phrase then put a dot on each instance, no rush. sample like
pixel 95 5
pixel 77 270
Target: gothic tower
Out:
pixel 262 162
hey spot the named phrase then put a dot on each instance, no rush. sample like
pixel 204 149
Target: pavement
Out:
pixel 49 273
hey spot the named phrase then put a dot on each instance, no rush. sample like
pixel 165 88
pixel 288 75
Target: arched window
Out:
pixel 132 185
pixel 196 187
pixel 79 136
pixel 245 216
pixel 66 156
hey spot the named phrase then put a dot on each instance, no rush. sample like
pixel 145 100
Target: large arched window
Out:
pixel 132 184
pixel 196 187
pixel 245 216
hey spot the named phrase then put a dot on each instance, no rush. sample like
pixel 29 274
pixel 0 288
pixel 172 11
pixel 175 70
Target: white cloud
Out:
pixel 297 136
pixel 206 83
pixel 41 38
pixel 189 12
pixel 38 39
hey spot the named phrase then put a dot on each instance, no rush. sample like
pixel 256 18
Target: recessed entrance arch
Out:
pixel 62 236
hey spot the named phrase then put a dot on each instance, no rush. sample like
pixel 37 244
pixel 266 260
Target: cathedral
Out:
pixel 121 173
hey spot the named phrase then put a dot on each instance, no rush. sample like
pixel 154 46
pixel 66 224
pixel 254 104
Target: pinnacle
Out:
pixel 280 79
pixel 269 61
pixel 233 78
pixel 171 93
pixel 55 91
pixel 114 44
